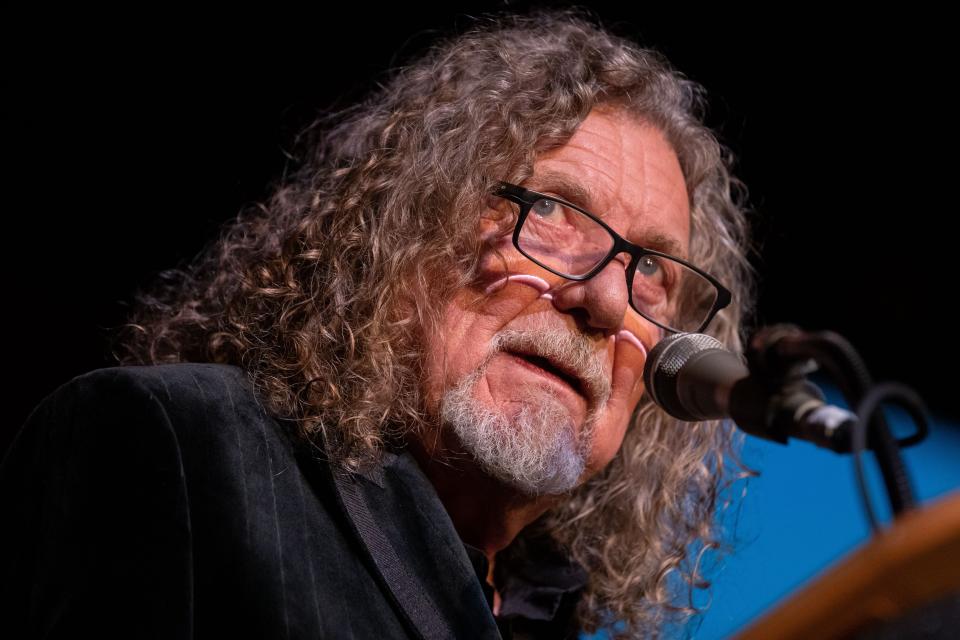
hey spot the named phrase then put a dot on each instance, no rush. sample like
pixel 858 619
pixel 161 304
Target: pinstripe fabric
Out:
pixel 164 501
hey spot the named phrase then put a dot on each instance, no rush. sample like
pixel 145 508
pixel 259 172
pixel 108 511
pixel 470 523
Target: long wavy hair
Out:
pixel 324 292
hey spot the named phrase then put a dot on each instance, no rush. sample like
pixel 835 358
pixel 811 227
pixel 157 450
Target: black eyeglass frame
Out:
pixel 527 198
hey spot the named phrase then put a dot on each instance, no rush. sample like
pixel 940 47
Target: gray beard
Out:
pixel 534 449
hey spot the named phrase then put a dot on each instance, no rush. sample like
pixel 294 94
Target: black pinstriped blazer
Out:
pixel 163 501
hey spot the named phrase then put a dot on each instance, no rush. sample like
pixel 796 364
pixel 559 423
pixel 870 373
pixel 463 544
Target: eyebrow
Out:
pixel 575 193
pixel 569 189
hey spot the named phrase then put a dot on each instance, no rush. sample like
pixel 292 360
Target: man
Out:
pixel 404 398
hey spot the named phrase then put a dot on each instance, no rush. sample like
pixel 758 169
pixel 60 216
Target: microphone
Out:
pixel 693 377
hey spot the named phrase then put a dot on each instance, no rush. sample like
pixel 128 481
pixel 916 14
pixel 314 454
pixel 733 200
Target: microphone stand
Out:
pixel 780 357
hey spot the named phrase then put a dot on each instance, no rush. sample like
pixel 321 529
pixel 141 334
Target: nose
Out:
pixel 603 299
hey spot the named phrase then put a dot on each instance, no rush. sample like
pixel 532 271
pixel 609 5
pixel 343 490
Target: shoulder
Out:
pixel 97 492
pixel 178 391
pixel 165 384
pixel 176 402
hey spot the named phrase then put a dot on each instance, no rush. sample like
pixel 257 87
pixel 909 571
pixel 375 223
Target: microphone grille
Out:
pixel 668 357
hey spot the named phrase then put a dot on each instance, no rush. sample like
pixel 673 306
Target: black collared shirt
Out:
pixel 539 588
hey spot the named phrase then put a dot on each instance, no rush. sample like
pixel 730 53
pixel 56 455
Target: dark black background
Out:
pixel 135 136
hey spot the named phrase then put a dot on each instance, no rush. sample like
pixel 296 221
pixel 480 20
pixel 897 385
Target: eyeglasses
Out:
pixel 575 244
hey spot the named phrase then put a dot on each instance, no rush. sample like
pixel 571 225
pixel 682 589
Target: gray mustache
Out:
pixel 566 350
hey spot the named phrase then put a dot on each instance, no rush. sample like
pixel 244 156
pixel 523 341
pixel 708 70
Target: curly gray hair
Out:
pixel 323 294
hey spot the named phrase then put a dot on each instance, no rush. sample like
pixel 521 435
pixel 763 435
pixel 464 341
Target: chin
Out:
pixel 534 447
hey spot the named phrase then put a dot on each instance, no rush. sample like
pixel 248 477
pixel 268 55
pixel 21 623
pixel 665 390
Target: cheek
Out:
pixel 607 439
pixel 629 358
pixel 469 323
pixel 448 350
pixel 626 390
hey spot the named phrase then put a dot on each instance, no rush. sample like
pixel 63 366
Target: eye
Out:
pixel 544 207
pixel 648 266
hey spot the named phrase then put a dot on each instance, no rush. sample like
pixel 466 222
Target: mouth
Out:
pixel 550 369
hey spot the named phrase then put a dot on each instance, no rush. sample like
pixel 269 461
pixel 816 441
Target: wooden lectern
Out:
pixel 911 567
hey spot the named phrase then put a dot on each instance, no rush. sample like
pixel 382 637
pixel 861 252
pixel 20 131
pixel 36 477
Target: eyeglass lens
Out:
pixel 571 243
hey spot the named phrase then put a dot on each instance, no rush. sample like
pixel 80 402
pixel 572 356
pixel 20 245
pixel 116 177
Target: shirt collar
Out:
pixel 536 580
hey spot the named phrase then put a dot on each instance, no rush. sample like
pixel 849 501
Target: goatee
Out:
pixel 537 448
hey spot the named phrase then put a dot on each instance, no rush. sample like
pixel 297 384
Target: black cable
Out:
pixel 871 403
pixel 842 362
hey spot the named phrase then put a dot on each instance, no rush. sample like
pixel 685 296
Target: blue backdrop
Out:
pixel 804 513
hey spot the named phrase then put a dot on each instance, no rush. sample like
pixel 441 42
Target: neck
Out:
pixel 486 513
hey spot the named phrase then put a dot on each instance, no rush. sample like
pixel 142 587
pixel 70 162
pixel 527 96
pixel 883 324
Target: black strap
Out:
pixel 420 610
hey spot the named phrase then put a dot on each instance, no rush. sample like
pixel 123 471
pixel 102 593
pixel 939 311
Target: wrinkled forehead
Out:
pixel 623 170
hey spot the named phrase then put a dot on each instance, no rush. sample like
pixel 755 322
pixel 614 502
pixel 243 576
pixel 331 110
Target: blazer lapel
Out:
pixel 403 526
